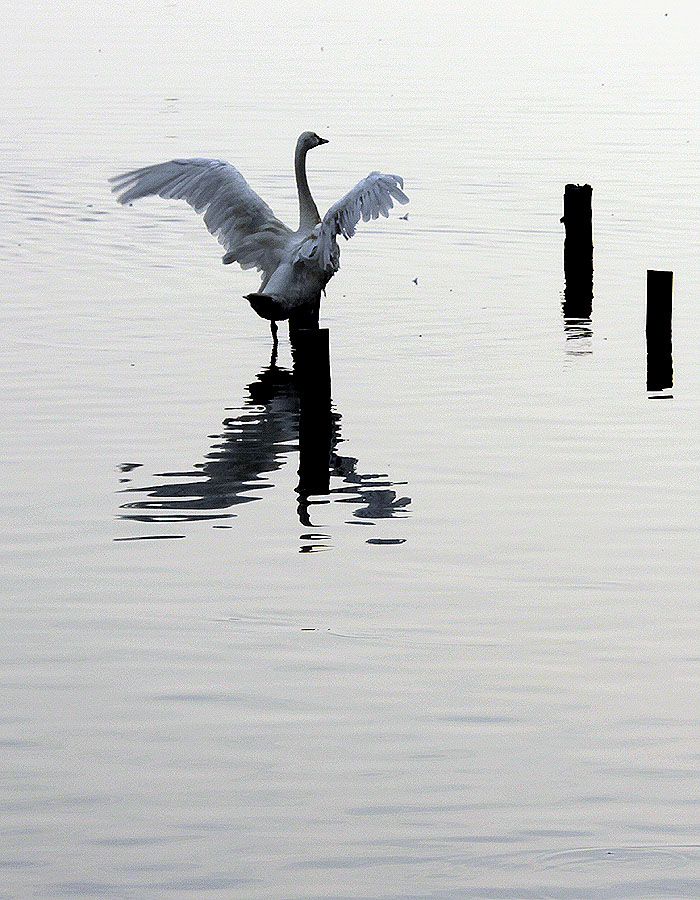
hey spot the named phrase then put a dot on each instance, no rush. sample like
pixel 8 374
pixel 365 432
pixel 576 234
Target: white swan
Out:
pixel 295 265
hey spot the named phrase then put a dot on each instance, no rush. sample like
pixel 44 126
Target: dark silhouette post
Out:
pixel 313 372
pixel 658 330
pixel 304 318
pixel 578 251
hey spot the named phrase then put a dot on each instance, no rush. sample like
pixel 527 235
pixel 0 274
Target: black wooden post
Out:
pixel 658 330
pixel 578 251
pixel 303 319
pixel 313 371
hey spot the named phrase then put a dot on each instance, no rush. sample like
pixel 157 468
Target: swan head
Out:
pixel 308 140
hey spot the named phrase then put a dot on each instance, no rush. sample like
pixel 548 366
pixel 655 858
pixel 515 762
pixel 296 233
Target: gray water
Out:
pixel 471 670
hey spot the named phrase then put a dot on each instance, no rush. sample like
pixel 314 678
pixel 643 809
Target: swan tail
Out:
pixel 268 306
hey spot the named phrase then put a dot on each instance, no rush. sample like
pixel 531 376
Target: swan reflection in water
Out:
pixel 252 445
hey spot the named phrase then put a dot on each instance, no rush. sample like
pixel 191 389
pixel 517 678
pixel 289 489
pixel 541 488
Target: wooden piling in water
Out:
pixel 313 371
pixel 658 330
pixel 305 318
pixel 578 251
pixel 312 363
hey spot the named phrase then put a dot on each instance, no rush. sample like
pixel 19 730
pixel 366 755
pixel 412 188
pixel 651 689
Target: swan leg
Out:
pixel 273 355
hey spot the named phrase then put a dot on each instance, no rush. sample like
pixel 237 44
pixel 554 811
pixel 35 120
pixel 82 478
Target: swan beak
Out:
pixel 322 141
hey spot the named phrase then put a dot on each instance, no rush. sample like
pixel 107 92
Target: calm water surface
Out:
pixel 469 671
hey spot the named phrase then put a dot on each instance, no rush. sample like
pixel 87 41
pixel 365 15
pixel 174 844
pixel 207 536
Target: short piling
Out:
pixel 578 251
pixel 658 330
pixel 305 318
pixel 313 372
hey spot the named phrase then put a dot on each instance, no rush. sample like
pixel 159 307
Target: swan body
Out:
pixel 295 265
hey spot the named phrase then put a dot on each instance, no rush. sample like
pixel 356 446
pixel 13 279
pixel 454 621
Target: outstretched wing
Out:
pixel 241 220
pixel 370 198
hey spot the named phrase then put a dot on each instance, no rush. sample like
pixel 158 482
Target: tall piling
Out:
pixel 578 251
pixel 658 330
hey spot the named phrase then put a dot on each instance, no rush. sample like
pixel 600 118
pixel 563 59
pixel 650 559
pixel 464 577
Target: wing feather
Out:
pixel 370 198
pixel 241 220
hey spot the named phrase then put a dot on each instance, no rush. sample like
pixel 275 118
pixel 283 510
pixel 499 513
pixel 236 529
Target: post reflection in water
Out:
pixel 579 336
pixel 254 444
pixel 576 308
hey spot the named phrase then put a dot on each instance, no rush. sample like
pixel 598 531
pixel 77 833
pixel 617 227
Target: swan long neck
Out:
pixel 308 213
